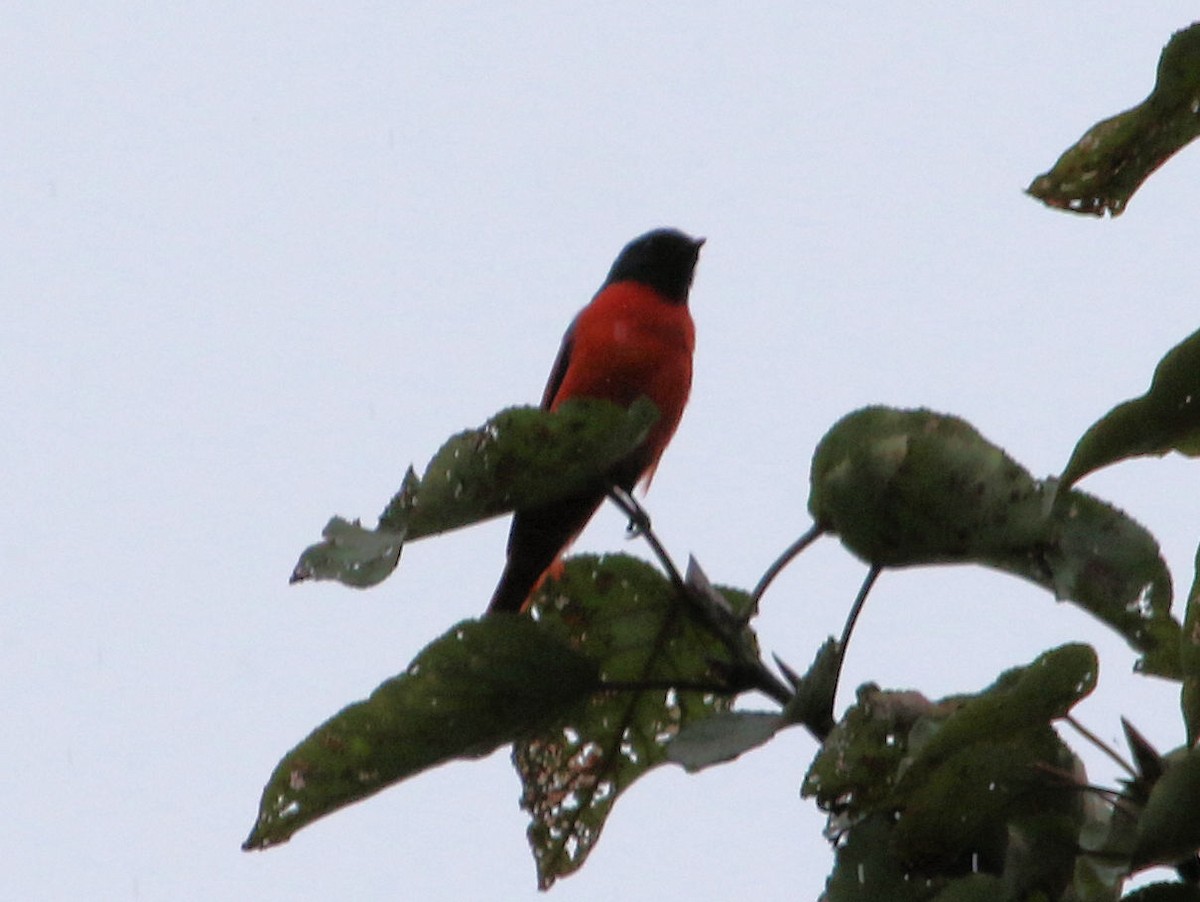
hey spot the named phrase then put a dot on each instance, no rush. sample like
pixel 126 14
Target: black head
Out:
pixel 664 259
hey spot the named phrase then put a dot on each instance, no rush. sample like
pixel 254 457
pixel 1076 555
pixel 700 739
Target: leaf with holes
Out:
pixel 909 487
pixel 481 685
pixel 1103 169
pixel 969 782
pixel 624 614
pixel 521 457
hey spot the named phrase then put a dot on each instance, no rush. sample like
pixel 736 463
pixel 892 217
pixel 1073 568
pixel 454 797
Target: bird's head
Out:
pixel 664 259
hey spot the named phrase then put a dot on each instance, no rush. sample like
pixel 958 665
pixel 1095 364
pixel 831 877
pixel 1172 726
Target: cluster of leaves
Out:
pixel 623 666
pixel 973 794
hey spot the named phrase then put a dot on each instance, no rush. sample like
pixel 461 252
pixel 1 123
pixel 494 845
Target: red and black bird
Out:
pixel 634 338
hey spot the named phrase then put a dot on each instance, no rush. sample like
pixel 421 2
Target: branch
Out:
pixel 814 533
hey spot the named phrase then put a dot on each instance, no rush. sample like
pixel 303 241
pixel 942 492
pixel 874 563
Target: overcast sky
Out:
pixel 259 258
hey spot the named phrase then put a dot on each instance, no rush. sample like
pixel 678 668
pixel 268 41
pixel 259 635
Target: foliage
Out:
pixel 621 666
pixel 1103 169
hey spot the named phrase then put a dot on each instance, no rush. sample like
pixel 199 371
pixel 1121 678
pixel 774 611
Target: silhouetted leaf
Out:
pixel 1166 418
pixel 1112 160
pixel 909 487
pixel 481 685
pixel 521 457
pixel 1190 644
pixel 624 614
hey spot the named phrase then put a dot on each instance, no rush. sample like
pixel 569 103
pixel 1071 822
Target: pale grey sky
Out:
pixel 257 260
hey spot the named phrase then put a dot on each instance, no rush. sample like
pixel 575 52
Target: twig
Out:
pixel 814 533
pixel 641 521
pixel 758 676
pixel 855 609
pixel 1101 745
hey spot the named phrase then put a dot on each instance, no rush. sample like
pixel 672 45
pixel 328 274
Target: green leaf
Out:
pixel 481 685
pixel 966 807
pixel 1166 418
pixel 624 614
pixel 812 703
pixel 522 457
pixel 1190 659
pixel 975 888
pixel 1112 160
pixel 866 869
pixel 1040 692
pixel 350 554
pixel 967 783
pixel 722 738
pixel 1169 827
pixel 909 487
pixel 903 487
pixel 974 783
pixel 855 772
pixel 1107 563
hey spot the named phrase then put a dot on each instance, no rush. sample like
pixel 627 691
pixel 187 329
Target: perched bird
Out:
pixel 634 338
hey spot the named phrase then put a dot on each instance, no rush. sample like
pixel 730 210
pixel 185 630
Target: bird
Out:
pixel 634 338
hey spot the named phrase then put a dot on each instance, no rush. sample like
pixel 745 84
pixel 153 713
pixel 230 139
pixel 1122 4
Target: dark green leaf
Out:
pixel 812 703
pixel 1109 564
pixel 1038 693
pixel 903 487
pixel 482 685
pixel 964 809
pixel 969 783
pixel 866 869
pixel 722 738
pixel 1190 644
pixel 1169 827
pixel 856 769
pixel 907 487
pixel 1110 162
pixel 975 783
pixel 1166 418
pixel 521 457
pixel 623 613
pixel 975 888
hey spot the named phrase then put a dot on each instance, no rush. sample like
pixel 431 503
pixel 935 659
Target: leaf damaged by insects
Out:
pixel 481 685
pixel 521 457
pixel 1103 169
pixel 626 616
pixel 911 487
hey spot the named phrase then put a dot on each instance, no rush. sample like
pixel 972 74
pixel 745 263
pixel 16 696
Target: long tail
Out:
pixel 538 536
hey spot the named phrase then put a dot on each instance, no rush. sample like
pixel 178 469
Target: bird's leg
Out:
pixel 639 519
